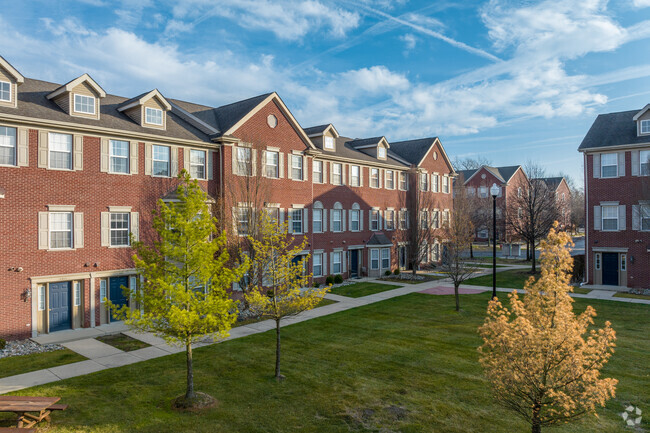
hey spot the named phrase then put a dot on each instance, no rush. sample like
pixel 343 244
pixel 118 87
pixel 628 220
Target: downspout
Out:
pixel 585 278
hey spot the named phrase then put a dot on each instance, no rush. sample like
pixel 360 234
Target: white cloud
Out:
pixel 641 3
pixel 69 25
pixel 409 41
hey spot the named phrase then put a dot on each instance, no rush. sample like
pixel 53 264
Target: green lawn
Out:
pixel 427 277
pixel 37 361
pixel 408 364
pixel 122 342
pixel 514 279
pixel 581 290
pixel 631 295
pixel 358 290
pixel 485 266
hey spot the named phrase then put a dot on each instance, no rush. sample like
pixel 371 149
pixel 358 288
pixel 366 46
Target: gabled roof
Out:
pixel 229 115
pixel 641 113
pixel 315 131
pixel 504 174
pixel 413 151
pixel 360 143
pixel 144 97
pixel 613 129
pixel 552 182
pixel 379 239
pixel 13 71
pixel 195 121
pixel 466 174
pixel 85 78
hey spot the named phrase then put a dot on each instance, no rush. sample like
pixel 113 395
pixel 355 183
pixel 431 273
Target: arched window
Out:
pixel 355 218
pixel 337 217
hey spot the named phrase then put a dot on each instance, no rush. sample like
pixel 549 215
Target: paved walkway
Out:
pixel 103 356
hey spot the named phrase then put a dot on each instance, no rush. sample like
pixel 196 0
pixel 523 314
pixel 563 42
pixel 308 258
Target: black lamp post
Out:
pixel 494 192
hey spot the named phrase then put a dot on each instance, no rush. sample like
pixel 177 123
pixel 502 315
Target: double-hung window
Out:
pixel 424 182
pixel 5 91
pixel 435 183
pixel 402 219
pixel 381 152
pixel 336 174
pixel 244 165
pixel 390 220
pixel 296 220
pixel 389 179
pixel 84 104
pixel 483 191
pixel 336 262
pixel 296 167
pixel 317 217
pixel 645 217
pixel 60 230
pixel 197 164
pixel 273 213
pixel 329 142
pixel 374 220
pixel 435 222
pixel 119 156
pixel 354 220
pixel 374 259
pixel 318 264
pixel 374 177
pixel 445 218
pixel 243 214
pixel 317 171
pixel 445 184
pixel 336 220
pixel 385 258
pixel 60 146
pixel 7 146
pixel 161 160
pixel 119 229
pixel 645 126
pixel 153 116
pixel 644 162
pixel 355 179
pixel 272 164
pixel 610 217
pixel 403 181
pixel 424 220
pixel 609 165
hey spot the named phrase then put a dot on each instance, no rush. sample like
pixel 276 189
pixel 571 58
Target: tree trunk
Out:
pixel 535 421
pixel 537 428
pixel 534 268
pixel 189 394
pixel 278 376
pixel 471 250
pixel 457 297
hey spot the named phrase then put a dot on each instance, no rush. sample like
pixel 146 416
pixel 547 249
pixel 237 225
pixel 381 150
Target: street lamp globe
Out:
pixel 494 190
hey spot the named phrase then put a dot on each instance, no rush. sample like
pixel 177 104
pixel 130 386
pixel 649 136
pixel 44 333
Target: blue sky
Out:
pixel 512 81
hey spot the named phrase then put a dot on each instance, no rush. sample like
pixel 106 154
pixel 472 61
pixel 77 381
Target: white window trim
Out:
pixel 373 251
pixel 602 219
pixel 111 230
pixel 153 161
pixel 302 167
pixel 378 186
pixel 49 152
pixel 340 173
pixel 352 176
pixel 205 164
pixel 320 255
pixel 276 165
pixel 74 104
pixel 340 221
pixel 10 91
pixel 327 140
pixel 399 181
pixel 339 262
pixel 313 176
pixel 157 110
pixel 641 123
pixel 386 179
pixel 76 292
pixel 49 232
pixel 610 165
pixel 41 297
pixel 358 213
pixel 15 147
pixel 314 212
pixel 111 156
pixel 297 211
pixel 381 258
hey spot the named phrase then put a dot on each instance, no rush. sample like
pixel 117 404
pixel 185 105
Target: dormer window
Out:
pixel 329 143
pixel 5 91
pixel 645 126
pixel 84 104
pixel 381 153
pixel 153 116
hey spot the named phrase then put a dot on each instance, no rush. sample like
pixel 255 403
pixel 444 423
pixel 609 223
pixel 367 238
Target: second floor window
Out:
pixel 197 164
pixel 645 217
pixel 336 174
pixel 435 183
pixel 296 167
pixel 7 146
pixel 242 220
pixel 609 165
pixel 60 146
pixel 354 220
pixel 355 180
pixel 390 220
pixel 119 229
pixel 435 220
pixel 119 154
pixel 153 116
pixel 5 91
pixel 244 165
pixel 318 220
pixel 296 220
pixel 60 230
pixel 403 181
pixel 403 219
pixel 374 220
pixel 424 182
pixel 644 161
pixel 445 184
pixel 84 104
pixel 424 220
pixel 645 127
pixel 318 171
pixel 161 158
pixel 271 164
pixel 610 217
pixel 336 220
pixel 390 179
pixel 374 177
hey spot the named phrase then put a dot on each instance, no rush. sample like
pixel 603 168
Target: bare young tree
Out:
pixel 459 234
pixel 471 163
pixel 531 213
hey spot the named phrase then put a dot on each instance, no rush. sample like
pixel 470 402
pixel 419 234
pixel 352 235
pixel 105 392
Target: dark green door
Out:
pixel 116 294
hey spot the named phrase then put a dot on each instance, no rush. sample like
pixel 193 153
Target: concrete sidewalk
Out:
pixel 102 356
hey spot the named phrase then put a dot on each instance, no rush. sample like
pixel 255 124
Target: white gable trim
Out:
pixel 153 94
pixel 85 78
pixel 13 71
pixel 641 113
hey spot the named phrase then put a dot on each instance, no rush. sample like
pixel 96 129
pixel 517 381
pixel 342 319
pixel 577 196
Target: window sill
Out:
pixel 161 176
pixel 60 169
pixel 116 172
pixel 119 246
pixel 10 165
pixel 61 249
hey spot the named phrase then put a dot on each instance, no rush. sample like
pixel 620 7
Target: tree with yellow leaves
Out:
pixel 542 360
pixel 284 289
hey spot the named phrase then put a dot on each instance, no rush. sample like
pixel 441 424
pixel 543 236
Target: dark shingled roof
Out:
pixel 508 172
pixel 379 239
pixel 129 101
pixel 358 142
pixel 344 150
pixel 613 129
pixel 33 102
pixel 504 173
pixel 466 174
pixel 315 129
pixel 552 182
pixel 412 150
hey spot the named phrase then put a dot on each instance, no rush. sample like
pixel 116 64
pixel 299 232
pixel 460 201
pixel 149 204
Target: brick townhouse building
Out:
pixel 80 169
pixel 559 186
pixel 616 153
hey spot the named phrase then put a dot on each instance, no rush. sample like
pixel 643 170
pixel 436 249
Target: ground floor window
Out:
pixel 318 265
pixel 385 258
pixel 374 259
pixel 336 262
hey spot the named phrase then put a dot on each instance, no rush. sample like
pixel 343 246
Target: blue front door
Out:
pixel 60 306
pixel 116 294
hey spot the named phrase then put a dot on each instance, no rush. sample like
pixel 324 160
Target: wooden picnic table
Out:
pixel 22 406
